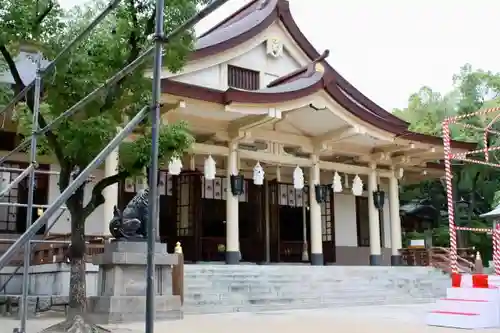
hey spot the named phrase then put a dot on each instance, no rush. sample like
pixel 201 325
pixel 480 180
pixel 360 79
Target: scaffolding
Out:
pixel 467 157
pixel 81 177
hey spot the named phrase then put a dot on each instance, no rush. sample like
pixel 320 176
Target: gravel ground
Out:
pixel 367 319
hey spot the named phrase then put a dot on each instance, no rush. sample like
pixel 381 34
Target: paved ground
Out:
pixel 387 319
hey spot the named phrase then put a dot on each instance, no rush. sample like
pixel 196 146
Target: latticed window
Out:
pixel 242 78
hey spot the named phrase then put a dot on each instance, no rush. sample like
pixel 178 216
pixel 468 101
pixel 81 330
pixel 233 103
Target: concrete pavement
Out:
pixel 366 319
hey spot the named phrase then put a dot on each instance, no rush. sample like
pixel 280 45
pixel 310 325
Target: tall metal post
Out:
pixel 153 171
pixel 31 190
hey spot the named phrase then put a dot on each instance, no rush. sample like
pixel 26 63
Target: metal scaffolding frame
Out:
pixel 152 110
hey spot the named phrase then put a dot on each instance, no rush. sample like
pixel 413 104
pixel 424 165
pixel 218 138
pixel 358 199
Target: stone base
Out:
pixel 233 257
pixel 396 260
pixel 317 259
pixel 375 260
pixel 103 310
pixel 122 284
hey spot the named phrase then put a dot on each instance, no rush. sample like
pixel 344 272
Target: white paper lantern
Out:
pixel 400 173
pixel 258 174
pixel 298 178
pixel 209 169
pixel 357 186
pixel 175 166
pixel 337 183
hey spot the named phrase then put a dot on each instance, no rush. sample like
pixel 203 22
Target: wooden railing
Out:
pixel 439 257
pixel 58 253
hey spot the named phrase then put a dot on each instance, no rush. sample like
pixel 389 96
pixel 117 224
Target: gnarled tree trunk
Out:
pixel 76 319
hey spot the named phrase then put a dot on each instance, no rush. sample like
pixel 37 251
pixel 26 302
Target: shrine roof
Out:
pixel 252 19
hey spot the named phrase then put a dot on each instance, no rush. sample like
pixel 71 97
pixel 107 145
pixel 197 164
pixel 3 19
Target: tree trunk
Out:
pixel 77 291
pixel 76 319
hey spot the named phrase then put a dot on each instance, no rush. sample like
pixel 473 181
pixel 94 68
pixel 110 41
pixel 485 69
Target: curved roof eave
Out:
pixel 434 140
pixel 301 87
pixel 211 95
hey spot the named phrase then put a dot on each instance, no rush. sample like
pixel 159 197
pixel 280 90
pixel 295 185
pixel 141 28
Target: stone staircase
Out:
pixel 252 288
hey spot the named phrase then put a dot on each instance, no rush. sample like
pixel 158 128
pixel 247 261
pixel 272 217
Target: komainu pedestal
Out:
pixel 121 294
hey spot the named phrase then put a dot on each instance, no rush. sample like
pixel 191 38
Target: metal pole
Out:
pixel 17 180
pixel 34 241
pixel 73 186
pixel 46 172
pixel 155 121
pixel 305 253
pixel 53 63
pixel 15 204
pixel 153 171
pixel 31 190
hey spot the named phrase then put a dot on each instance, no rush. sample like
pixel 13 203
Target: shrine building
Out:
pixel 291 162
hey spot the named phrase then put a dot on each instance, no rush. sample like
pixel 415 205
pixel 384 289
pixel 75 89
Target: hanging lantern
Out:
pixel 258 174
pixel 321 192
pixel 298 178
pixel 209 168
pixel 175 166
pixel 378 198
pixel 237 185
pixel 357 186
pixel 337 183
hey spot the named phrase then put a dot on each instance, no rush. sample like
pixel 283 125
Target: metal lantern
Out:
pixel 321 192
pixel 379 198
pixel 357 186
pixel 258 174
pixel 237 185
pixel 337 183
pixel 209 169
pixel 175 166
pixel 298 178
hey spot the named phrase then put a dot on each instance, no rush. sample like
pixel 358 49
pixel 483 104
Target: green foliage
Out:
pixel 476 186
pixel 116 42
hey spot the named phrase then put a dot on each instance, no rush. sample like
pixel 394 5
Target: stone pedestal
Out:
pixel 121 290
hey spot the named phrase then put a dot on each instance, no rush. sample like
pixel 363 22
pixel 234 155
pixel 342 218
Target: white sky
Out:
pixel 388 49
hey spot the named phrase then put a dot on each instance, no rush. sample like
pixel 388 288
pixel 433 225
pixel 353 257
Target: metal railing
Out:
pixel 153 110
pixel 19 266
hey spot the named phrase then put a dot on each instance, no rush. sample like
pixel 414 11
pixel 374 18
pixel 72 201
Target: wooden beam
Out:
pixel 204 149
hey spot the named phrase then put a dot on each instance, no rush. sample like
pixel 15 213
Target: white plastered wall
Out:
pixel 95 224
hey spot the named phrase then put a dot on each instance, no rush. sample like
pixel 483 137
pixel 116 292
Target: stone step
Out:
pixel 220 288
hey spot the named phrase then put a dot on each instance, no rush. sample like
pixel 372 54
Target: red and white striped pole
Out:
pixel 496 247
pixel 449 195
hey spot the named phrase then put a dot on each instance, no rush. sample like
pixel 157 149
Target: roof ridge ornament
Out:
pixel 274 47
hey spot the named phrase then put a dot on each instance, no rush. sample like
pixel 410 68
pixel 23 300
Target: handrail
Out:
pixel 45 236
pixel 463 264
pixel 438 257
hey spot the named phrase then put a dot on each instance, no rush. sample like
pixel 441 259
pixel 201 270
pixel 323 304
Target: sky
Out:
pixel 388 49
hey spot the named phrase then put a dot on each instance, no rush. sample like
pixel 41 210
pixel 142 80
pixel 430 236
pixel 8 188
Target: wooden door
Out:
pixel 252 225
pixel 168 211
pixel 274 221
pixel 328 228
pixel 187 188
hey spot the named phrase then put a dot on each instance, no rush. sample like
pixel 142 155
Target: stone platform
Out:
pixel 213 288
pixel 121 284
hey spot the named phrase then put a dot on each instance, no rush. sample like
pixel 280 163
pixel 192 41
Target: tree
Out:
pixel 476 186
pixel 116 42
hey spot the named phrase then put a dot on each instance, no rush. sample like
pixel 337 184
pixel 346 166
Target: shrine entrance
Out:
pixel 290 224
pixel 193 212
